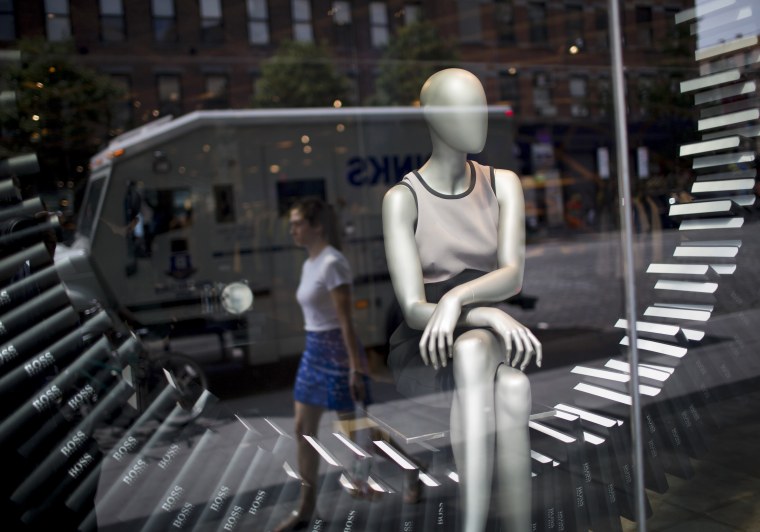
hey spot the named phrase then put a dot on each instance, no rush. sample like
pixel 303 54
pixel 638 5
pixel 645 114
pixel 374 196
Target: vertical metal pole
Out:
pixel 624 197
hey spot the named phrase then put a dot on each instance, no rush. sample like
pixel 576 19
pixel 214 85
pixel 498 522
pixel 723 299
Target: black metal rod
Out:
pixel 28 287
pixel 18 319
pixel 56 355
pixel 33 257
pixel 24 345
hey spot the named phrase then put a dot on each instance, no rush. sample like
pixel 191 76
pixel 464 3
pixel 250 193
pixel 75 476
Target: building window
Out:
pixel 537 23
pixel 574 24
pixel 509 88
pixel 169 94
pixel 255 85
pixel 258 22
pixel 164 21
pixel 122 111
pixel 604 97
pixel 341 13
pixel 302 29
pixel 505 21
pixel 542 95
pixel 217 95
pixel 211 21
pixel 470 26
pixel 7 21
pixel 412 13
pixel 645 88
pixel 644 26
pixel 578 87
pixel 342 23
pixel 112 28
pixel 601 24
pixel 678 34
pixel 378 24
pixel 57 20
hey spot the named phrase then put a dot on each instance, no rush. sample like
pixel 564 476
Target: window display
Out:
pixel 459 233
pixel 149 331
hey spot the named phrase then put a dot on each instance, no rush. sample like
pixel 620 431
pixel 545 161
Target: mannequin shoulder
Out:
pixel 506 182
pixel 399 202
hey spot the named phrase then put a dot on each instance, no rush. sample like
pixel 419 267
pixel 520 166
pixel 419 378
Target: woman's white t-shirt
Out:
pixel 319 275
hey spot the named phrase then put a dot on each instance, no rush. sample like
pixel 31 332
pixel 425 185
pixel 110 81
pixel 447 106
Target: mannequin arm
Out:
pixel 399 216
pixel 506 281
pixel 439 320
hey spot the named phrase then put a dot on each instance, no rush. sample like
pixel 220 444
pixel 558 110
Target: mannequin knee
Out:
pixel 474 357
pixel 513 391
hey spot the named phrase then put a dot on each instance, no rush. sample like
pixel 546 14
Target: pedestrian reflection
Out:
pixel 332 374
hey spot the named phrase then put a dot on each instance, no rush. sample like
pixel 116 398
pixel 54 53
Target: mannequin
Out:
pixel 490 397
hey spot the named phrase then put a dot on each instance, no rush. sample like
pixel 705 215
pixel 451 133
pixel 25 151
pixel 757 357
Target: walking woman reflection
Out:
pixel 332 374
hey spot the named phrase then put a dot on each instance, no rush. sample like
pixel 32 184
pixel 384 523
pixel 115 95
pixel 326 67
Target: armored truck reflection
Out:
pixel 180 209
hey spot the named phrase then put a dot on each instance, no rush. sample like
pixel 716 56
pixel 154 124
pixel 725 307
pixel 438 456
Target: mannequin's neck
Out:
pixel 446 170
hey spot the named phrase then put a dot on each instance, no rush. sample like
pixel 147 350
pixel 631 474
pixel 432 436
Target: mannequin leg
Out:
pixel 513 404
pixel 476 359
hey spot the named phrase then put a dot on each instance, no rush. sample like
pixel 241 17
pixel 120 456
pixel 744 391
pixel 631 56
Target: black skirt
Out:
pixel 416 381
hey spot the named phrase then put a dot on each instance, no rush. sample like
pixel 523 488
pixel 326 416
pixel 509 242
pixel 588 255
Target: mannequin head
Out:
pixel 455 108
pixel 312 221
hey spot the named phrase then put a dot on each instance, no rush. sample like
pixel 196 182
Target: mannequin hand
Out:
pixel 512 332
pixel 356 386
pixel 436 344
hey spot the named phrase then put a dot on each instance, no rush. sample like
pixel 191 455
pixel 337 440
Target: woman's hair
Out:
pixel 317 212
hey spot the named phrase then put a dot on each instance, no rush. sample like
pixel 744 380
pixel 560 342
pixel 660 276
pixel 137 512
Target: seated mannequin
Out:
pixel 455 243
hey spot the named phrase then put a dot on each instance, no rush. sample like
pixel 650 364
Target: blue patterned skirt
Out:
pixel 322 378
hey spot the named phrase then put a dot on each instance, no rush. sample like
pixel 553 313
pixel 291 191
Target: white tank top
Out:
pixel 458 231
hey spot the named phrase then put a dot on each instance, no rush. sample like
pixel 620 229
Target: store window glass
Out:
pixel 57 18
pixel 7 21
pixel 258 21
pixel 379 24
pixel 303 30
pixel 154 343
pixel 112 25
pixel 211 21
pixel 164 21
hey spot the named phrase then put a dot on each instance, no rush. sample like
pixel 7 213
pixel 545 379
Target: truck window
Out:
pixel 166 209
pixel 90 205
pixel 224 204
